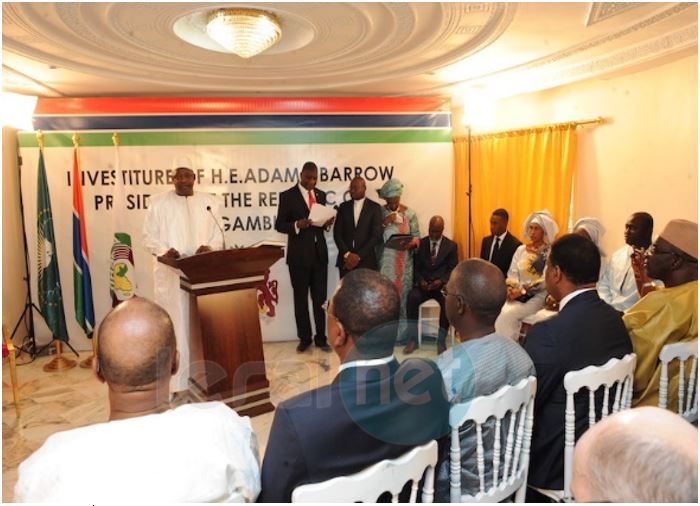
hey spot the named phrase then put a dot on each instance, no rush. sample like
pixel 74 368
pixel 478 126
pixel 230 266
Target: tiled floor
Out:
pixel 53 402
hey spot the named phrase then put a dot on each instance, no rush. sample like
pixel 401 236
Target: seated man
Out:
pixel 586 331
pixel 146 452
pixel 375 409
pixel 618 284
pixel 483 362
pixel 499 247
pixel 434 260
pixel 642 455
pixel 668 315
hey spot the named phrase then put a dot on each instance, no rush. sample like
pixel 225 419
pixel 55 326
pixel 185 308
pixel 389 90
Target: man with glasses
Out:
pixel 375 409
pixel 483 362
pixel 668 315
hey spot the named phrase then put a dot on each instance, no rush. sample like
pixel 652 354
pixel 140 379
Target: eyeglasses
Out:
pixel 654 250
pixel 326 306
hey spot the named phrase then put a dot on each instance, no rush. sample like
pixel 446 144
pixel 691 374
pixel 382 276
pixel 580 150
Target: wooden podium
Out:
pixel 226 354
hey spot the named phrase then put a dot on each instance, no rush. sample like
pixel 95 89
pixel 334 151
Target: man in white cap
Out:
pixel 180 222
pixel 642 455
pixel 668 315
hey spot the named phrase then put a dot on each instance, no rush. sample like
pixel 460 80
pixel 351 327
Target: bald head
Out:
pixel 639 455
pixel 136 344
pixel 482 287
pixel 436 227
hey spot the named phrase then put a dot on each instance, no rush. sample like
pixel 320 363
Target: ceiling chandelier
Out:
pixel 245 32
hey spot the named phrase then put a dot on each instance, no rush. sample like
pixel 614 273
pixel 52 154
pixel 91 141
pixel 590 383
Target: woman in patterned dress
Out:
pixel 397 264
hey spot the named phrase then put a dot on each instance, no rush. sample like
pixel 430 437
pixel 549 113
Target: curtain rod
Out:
pixel 593 121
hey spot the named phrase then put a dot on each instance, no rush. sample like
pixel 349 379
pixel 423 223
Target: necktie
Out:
pixel 433 252
pixel 495 247
pixel 312 200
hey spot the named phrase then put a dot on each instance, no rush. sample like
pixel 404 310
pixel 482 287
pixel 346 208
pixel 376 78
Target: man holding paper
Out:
pixel 307 253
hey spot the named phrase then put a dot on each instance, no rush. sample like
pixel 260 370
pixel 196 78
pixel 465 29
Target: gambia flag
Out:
pixel 122 276
pixel 82 283
pixel 50 295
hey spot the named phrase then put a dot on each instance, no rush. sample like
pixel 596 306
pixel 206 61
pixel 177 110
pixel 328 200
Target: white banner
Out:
pixel 246 178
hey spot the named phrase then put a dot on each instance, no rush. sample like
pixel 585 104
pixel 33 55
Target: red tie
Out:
pixel 312 200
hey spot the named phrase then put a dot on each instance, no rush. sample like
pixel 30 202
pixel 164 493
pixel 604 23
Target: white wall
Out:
pixel 644 158
pixel 14 290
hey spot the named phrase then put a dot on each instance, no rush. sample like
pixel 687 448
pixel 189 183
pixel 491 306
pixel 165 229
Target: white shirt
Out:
pixel 305 194
pixel 194 453
pixel 366 363
pixel 617 285
pixel 357 209
pixel 570 296
pixel 500 243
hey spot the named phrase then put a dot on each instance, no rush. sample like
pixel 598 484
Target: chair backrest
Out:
pixel 517 400
pixel 687 406
pixel 618 372
pixel 385 476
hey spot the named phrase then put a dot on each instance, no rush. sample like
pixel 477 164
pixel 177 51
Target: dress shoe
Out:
pixel 302 346
pixel 324 347
pixel 410 348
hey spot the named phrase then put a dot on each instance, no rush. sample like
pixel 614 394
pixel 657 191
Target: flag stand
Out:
pixel 87 363
pixel 59 362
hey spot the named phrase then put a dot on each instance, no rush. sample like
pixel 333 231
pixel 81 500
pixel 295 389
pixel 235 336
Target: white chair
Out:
pixel 385 476
pixel 519 400
pixel 687 407
pixel 618 372
pixel 428 313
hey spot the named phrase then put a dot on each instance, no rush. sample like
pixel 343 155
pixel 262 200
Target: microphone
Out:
pixel 223 239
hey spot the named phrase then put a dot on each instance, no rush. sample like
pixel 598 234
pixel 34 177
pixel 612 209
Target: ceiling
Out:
pixel 113 48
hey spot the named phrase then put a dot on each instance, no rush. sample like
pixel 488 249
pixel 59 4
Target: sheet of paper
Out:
pixel 320 214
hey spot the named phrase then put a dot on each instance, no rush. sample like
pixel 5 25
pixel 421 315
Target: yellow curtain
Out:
pixel 521 171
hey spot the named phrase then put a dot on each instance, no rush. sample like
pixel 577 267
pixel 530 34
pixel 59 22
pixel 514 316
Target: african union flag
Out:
pixel 50 295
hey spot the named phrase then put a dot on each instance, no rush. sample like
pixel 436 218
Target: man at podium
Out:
pixel 180 222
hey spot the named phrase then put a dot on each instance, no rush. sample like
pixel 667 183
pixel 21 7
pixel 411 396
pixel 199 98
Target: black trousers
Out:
pixel 315 280
pixel 416 297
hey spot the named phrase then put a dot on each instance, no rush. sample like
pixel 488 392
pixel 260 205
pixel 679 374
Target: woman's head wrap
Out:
pixel 544 219
pixel 392 188
pixel 593 228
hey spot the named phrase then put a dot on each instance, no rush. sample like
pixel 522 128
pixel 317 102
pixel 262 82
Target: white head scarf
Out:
pixel 544 219
pixel 593 228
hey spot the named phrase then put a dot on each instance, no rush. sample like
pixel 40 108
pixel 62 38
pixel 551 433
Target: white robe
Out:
pixel 195 453
pixel 616 285
pixel 185 224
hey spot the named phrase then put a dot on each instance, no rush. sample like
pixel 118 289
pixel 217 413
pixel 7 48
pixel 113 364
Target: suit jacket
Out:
pixel 361 239
pixel 504 255
pixel 356 421
pixel 302 247
pixel 587 331
pixel 446 260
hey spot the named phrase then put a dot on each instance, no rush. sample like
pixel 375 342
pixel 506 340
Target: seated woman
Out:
pixel 397 264
pixel 526 289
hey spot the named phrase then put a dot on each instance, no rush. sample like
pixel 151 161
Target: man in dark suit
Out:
pixel 307 254
pixel 499 247
pixel 433 264
pixel 375 409
pixel 357 230
pixel 586 331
